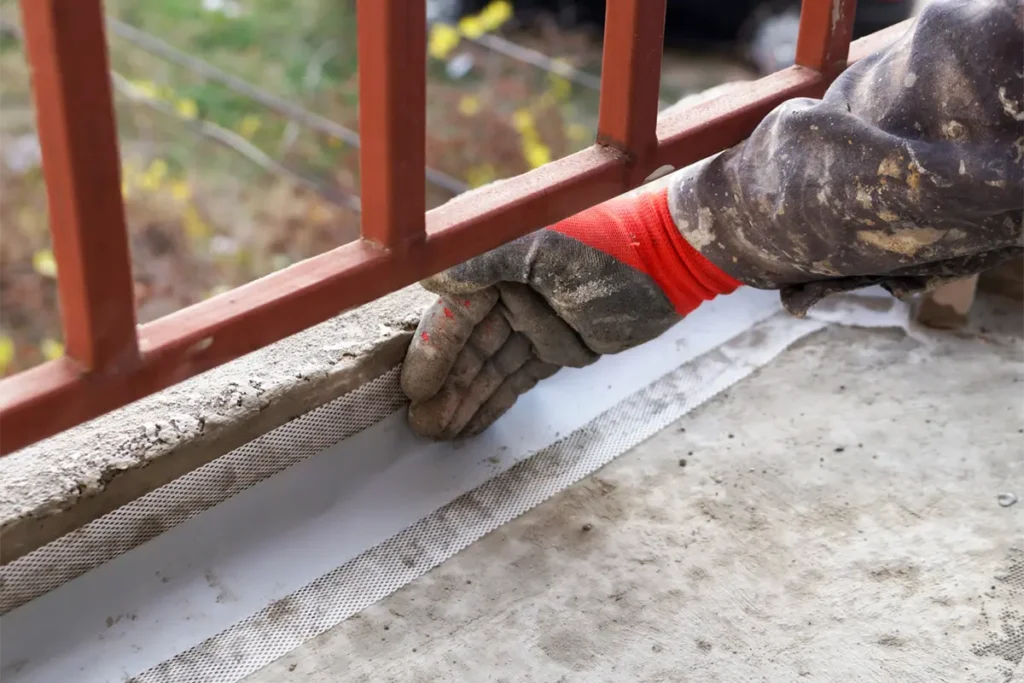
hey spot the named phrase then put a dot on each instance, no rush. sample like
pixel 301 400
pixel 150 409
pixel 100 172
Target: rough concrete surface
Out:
pixel 834 517
pixel 116 458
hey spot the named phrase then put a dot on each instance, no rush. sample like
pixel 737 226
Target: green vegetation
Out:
pixel 203 217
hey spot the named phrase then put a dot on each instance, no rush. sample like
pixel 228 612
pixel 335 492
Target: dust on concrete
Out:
pixel 224 594
pixel 281 609
pixel 195 421
pixel 117 618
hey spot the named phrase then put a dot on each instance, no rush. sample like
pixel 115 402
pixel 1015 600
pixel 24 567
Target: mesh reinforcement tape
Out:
pixel 223 570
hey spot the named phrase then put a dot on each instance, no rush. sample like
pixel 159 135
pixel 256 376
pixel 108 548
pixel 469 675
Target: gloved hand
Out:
pixel 605 280
pixel 886 180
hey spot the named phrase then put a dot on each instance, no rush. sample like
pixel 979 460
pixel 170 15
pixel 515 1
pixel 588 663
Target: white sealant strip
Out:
pixel 233 588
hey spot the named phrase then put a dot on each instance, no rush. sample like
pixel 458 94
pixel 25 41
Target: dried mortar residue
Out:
pixel 123 454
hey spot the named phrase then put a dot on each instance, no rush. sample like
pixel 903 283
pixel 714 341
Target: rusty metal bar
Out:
pixel 708 131
pixel 45 400
pixel 826 27
pixel 634 37
pixel 393 120
pixel 67 49
pixel 697 132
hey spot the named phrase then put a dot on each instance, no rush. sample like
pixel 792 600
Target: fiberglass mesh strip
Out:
pixel 117 532
pixel 286 623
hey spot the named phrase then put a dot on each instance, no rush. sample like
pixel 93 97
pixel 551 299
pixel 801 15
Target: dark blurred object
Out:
pixel 769 31
pixel 764 30
pixel 1007 280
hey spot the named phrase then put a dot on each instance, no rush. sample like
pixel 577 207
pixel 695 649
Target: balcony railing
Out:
pixel 111 361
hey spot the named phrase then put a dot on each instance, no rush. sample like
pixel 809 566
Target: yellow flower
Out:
pixel 44 263
pixel 495 14
pixel 6 353
pixel 469 105
pixel 443 39
pixel 147 89
pixel 522 120
pixel 180 190
pixel 195 227
pixel 333 141
pixel 187 108
pixel 158 170
pixel 480 175
pixel 249 125
pixel 561 88
pixel 471 27
pixel 536 152
pixel 149 181
pixel 51 349
pixel 125 189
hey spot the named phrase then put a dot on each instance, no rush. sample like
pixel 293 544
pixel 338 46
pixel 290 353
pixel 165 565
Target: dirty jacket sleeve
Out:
pixel 908 172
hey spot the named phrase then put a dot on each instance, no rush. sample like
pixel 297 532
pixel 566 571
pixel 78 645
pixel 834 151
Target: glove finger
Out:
pixel 512 356
pixel 429 418
pixel 442 332
pixel 491 333
pixel 553 339
pixel 514 386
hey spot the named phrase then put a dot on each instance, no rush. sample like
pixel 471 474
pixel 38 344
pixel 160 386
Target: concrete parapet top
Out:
pixel 57 485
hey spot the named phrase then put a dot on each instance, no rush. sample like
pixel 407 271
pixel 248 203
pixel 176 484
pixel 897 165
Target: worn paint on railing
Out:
pixel 110 362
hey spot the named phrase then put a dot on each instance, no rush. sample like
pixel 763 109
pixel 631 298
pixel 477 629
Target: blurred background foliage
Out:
pixel 220 189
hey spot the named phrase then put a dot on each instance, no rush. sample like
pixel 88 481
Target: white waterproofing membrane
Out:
pixel 226 569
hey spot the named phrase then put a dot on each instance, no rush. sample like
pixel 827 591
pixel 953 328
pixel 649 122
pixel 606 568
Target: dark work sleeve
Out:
pixel 907 173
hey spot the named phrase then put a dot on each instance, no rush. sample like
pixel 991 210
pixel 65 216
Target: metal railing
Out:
pixel 111 361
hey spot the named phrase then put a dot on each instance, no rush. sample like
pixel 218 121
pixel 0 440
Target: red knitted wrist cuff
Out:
pixel 639 231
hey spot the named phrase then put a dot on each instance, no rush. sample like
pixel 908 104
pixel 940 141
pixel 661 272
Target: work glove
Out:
pixel 603 281
pixel 886 180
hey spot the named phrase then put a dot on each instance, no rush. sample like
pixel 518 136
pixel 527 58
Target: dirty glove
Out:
pixel 907 173
pixel 605 280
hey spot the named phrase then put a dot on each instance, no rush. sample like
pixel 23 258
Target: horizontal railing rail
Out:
pixel 111 361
